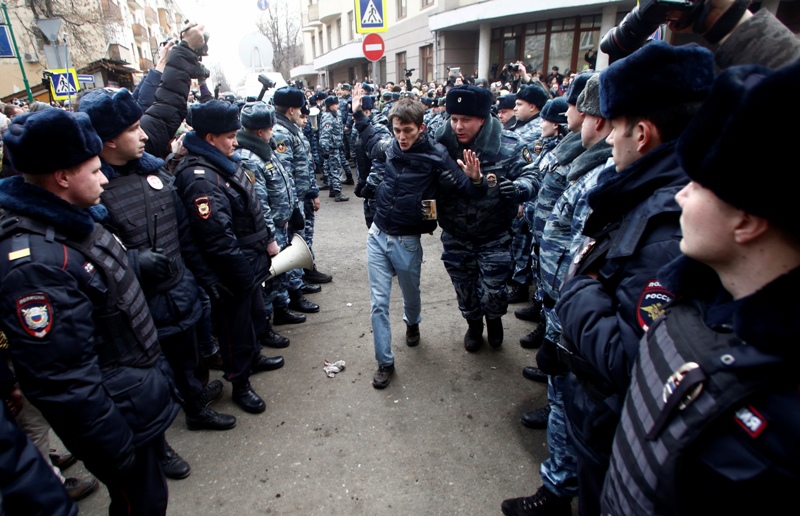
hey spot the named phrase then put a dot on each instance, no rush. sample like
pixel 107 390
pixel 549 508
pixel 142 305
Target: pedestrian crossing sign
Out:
pixel 64 83
pixel 370 16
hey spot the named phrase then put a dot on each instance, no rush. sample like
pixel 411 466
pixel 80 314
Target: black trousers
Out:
pixel 143 490
pixel 180 350
pixel 238 322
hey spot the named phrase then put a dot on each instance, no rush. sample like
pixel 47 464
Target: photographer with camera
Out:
pixel 515 75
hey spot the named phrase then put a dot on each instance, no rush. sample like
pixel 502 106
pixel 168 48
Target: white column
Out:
pixel 607 22
pixel 484 51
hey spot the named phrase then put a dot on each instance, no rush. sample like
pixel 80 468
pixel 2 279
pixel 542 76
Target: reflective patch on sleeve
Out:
pixel 16 255
pixel 652 302
pixel 751 420
pixel 527 155
pixel 203 206
pixel 35 314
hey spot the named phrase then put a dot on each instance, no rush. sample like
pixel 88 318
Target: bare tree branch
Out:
pixel 281 26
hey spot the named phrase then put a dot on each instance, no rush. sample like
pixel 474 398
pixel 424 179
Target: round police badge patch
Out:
pixel 155 182
pixel 652 302
pixel 35 314
pixel 281 147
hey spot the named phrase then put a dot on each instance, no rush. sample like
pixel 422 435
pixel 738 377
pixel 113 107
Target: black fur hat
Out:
pixel 658 75
pixel 288 97
pixel 555 110
pixel 507 101
pixel 331 100
pixel 111 111
pixel 533 94
pixel 710 148
pixel 576 87
pixel 215 117
pixel 469 100
pixel 50 140
pixel 367 102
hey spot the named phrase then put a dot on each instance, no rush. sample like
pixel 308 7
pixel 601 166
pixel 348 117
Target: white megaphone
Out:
pixel 295 256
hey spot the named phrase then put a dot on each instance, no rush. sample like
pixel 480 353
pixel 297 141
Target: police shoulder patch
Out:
pixel 652 302
pixel 527 155
pixel 202 205
pixel 35 314
pixel 281 147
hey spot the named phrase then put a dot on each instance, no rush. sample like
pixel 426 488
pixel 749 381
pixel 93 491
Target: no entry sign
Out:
pixel 373 46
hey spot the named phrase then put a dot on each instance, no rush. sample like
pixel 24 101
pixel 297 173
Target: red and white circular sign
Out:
pixel 373 46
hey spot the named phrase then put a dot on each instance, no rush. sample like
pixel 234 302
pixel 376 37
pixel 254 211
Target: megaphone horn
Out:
pixel 295 256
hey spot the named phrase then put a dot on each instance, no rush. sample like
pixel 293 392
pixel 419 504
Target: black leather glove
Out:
pixel 368 192
pixel 219 292
pixel 359 189
pixel 296 221
pixel 509 190
pixel 153 265
pixel 447 180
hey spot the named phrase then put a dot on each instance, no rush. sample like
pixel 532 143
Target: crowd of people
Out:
pixel 617 206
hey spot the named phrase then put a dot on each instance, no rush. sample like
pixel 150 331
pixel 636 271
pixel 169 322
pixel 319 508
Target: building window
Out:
pixel 339 31
pixel 330 37
pixel 313 45
pixel 426 3
pixel 350 26
pixel 426 62
pixel 402 9
pixel 400 59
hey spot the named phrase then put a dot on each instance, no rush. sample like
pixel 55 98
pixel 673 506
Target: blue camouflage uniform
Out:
pixel 293 152
pixel 531 132
pixel 274 187
pixel 477 235
pixel 309 215
pixel 330 143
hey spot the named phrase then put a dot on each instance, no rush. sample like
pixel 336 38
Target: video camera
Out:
pixel 513 67
pixel 409 71
pixel 637 26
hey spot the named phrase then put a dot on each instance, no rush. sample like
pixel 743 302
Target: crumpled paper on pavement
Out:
pixel 331 368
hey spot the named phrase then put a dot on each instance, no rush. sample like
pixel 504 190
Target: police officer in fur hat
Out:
pixel 505 111
pixel 228 224
pixel 476 234
pixel 649 97
pixel 713 403
pixel 68 288
pixel 145 211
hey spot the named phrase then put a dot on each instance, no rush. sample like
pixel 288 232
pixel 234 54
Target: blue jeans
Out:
pixel 387 256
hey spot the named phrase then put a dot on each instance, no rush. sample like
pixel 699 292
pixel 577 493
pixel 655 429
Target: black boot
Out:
pixel 200 417
pixel 349 181
pixel 518 293
pixel 494 330
pixel 340 198
pixel 532 312
pixel 474 336
pixel 314 276
pixel 174 466
pixel 211 392
pixel 310 288
pixel 534 339
pixel 262 363
pixel 299 303
pixel 283 315
pixel 247 399
pixel 271 339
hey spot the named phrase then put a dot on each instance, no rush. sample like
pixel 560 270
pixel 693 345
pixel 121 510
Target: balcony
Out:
pixel 145 65
pixel 136 5
pixel 139 32
pixel 153 45
pixel 150 15
pixel 117 52
pixel 310 18
pixel 111 10
pixel 165 20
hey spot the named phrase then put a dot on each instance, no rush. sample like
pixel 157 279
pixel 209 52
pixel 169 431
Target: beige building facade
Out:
pixel 478 36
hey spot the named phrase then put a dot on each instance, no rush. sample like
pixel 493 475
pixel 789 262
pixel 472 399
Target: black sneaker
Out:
pixel 543 503
pixel 382 376
pixel 412 334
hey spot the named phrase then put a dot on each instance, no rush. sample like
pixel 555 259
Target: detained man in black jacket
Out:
pixel 417 168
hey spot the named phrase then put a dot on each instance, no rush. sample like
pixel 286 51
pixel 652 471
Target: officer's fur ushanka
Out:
pixel 111 111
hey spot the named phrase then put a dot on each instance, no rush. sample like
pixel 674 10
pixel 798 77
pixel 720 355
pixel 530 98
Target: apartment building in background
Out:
pixel 116 51
pixel 477 36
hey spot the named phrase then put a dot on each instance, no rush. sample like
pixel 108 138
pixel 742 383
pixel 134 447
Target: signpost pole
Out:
pixel 16 51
